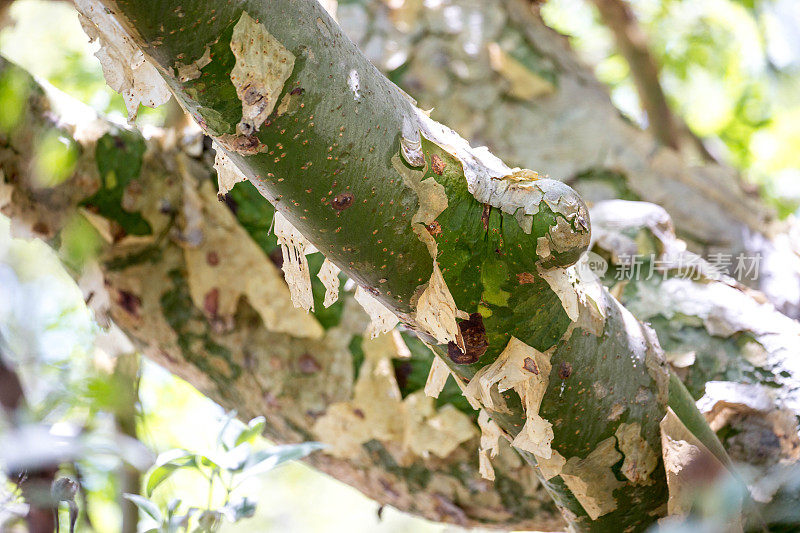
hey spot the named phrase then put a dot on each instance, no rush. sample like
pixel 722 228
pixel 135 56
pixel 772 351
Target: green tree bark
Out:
pixel 484 65
pixel 435 231
pixel 231 354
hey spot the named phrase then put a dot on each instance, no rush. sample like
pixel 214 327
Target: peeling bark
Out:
pixel 223 344
pixel 571 132
pixel 736 353
pixel 353 140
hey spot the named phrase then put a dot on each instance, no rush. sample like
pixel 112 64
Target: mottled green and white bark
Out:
pixel 494 72
pixel 220 334
pixel 736 354
pixel 470 254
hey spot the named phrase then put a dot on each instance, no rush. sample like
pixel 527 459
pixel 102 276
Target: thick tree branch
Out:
pixel 228 352
pixel 632 42
pixel 435 231
pixel 567 128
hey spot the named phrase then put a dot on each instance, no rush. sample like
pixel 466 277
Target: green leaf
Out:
pixel 157 476
pixel 146 506
pixel 265 460
pixel 166 464
pixel 254 429
pixel 240 509
pixel 205 460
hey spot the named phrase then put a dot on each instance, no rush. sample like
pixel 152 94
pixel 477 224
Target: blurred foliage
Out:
pixel 730 69
pixel 233 461
pixel 62 56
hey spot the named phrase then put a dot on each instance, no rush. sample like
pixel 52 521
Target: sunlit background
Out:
pixel 729 68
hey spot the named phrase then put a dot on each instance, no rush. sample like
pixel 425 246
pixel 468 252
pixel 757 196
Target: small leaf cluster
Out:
pixel 233 461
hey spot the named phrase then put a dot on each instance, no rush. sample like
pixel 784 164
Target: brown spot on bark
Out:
pixel 487 210
pixel 212 258
pixel 211 302
pixel 474 334
pixel 117 231
pixel 251 95
pixel 129 302
pixel 438 164
pixel 525 277
pixel 564 370
pixel 402 370
pixel 342 201
pixel 358 412
pixel 530 365
pixel 297 90
pixel 41 228
pixel 434 228
pixel 246 144
pixel 308 364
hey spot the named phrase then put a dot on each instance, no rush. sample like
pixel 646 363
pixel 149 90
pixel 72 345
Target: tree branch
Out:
pixel 568 128
pixel 233 353
pixel 632 43
pixel 434 231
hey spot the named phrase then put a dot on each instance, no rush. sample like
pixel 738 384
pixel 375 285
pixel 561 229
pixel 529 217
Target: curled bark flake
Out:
pixel 382 319
pixel 329 276
pixel 552 466
pixel 125 67
pixel 191 71
pixel 689 464
pixel 436 311
pixel 437 377
pixel 295 247
pixel 228 174
pixel 490 444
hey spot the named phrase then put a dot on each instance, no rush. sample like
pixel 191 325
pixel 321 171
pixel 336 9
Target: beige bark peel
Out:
pixel 226 247
pixel 262 67
pixel 228 174
pixel 295 247
pixel 329 276
pixel 382 319
pixel 591 480
pixel 125 67
pixel 378 411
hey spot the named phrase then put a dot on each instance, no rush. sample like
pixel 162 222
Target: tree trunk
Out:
pixel 234 350
pixel 198 325
pixel 488 246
